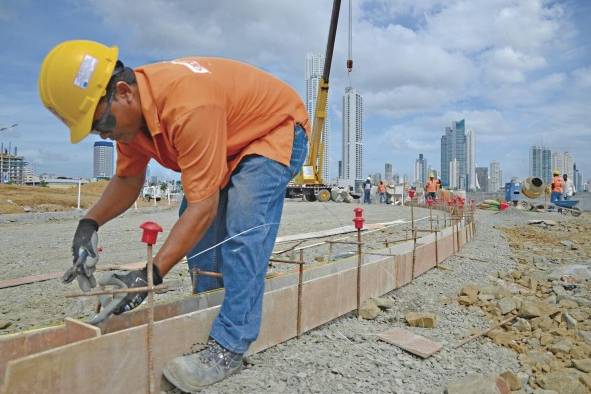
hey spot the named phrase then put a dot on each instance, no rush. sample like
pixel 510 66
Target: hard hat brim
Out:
pixel 82 129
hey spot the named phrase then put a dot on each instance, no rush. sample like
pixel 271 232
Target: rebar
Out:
pixel 300 288
pixel 359 257
pixel 150 328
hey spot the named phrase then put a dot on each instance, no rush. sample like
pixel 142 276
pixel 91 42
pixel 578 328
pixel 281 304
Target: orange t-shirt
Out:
pixel 204 115
pixel 432 186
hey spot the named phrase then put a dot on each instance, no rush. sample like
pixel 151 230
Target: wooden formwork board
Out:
pixel 424 258
pixel 461 236
pixel 403 269
pixel 77 358
pixel 445 247
pixel 15 346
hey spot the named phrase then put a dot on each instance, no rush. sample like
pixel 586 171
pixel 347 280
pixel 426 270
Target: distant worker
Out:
pixel 367 191
pixel 432 187
pixel 569 187
pixel 557 187
pixel 382 192
pixel 236 134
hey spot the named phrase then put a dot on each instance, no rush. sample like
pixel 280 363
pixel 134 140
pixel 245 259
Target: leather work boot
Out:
pixel 195 371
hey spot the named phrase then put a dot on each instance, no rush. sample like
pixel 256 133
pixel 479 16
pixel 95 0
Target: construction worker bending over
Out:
pixel 236 134
pixel 432 187
pixel 557 187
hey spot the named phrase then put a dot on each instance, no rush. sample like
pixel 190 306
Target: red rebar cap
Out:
pixel 358 219
pixel 411 193
pixel 150 234
pixel 429 202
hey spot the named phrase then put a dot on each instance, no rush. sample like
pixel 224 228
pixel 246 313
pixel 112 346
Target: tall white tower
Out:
pixel 314 66
pixel 496 177
pixel 470 160
pixel 103 159
pixel 352 136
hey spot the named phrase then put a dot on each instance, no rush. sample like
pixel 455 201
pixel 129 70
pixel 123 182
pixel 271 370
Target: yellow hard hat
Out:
pixel 73 78
pixel 556 172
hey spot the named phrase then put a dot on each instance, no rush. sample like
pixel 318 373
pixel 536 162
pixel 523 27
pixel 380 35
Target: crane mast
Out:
pixel 312 170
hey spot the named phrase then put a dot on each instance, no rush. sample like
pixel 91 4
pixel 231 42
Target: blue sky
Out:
pixel 518 71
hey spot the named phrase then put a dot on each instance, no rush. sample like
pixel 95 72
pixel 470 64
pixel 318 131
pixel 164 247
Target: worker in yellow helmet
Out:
pixel 236 134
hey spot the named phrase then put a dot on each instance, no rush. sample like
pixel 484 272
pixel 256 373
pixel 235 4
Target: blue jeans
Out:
pixel 253 197
pixel 366 198
pixel 555 196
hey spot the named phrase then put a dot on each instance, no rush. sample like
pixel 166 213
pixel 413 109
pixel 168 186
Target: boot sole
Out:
pixel 172 379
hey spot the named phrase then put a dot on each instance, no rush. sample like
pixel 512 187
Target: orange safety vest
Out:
pixel 382 188
pixel 432 186
pixel 558 184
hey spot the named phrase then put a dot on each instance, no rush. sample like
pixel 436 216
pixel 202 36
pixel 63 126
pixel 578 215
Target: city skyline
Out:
pixel 519 72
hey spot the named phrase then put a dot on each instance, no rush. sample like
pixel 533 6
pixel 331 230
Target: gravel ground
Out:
pixel 342 356
pixel 40 243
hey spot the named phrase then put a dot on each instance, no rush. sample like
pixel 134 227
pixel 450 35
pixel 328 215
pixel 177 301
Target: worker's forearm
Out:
pixel 119 195
pixel 187 231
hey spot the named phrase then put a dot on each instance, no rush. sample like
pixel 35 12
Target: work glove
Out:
pixel 85 255
pixel 123 302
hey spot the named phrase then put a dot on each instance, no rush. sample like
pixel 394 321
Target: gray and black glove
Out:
pixel 123 302
pixel 85 255
pixel 133 279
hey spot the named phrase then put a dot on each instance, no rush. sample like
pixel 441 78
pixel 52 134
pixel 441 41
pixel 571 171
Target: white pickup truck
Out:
pixel 151 192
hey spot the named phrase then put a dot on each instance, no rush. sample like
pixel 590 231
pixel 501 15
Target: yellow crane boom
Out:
pixel 312 170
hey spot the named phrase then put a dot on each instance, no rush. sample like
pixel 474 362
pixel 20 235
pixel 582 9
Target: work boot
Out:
pixel 195 371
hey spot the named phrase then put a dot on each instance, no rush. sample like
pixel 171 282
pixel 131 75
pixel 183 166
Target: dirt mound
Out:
pixel 18 199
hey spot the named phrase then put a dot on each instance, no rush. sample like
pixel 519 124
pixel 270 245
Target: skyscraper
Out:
pixel 420 171
pixel 314 66
pixel 388 172
pixel 563 162
pixel 568 168
pixel 352 135
pixel 558 162
pixel 453 146
pixel 470 160
pixel 496 177
pixel 103 159
pixel 482 176
pixel 453 174
pixel 577 178
pixel 540 163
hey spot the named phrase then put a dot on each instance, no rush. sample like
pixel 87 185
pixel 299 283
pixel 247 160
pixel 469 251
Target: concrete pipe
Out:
pixel 335 194
pixel 532 187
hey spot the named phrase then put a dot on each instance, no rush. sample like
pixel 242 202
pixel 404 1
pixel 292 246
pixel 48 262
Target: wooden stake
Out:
pixel 300 285
pixel 465 341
